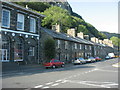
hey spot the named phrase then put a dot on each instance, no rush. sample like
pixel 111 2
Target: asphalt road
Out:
pixel 101 74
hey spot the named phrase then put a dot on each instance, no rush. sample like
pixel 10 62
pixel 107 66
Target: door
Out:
pixel 4 55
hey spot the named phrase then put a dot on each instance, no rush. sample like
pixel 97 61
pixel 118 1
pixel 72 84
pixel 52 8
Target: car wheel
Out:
pixel 53 66
pixel 62 65
pixel 46 67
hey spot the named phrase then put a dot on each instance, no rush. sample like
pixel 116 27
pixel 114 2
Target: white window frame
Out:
pixel 80 46
pixel 58 43
pixel 21 21
pixel 32 50
pixel 66 44
pixel 8 26
pixel 90 47
pixel 75 45
pixel 33 25
pixel 85 47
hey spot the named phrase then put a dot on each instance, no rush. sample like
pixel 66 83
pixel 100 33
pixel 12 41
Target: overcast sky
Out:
pixel 103 14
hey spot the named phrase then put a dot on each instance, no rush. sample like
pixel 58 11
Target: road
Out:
pixel 101 74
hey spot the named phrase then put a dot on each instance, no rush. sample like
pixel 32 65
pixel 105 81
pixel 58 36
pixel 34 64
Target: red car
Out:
pixel 54 63
pixel 98 59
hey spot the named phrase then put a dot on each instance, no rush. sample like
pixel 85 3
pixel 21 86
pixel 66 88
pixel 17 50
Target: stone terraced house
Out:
pixel 20 28
pixel 23 38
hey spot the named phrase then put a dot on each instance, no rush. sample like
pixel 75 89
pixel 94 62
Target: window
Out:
pixel 20 21
pixel 75 45
pixel 90 47
pixel 58 42
pixel 80 46
pixel 66 44
pixel 5 18
pixel 31 51
pixel 32 25
pixel 85 46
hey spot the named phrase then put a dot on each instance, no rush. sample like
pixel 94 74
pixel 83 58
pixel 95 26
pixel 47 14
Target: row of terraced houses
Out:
pixel 23 38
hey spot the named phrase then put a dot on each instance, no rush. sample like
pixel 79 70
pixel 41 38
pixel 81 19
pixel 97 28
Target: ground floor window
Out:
pixel 31 51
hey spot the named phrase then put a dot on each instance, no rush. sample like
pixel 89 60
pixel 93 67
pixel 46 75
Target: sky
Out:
pixel 102 14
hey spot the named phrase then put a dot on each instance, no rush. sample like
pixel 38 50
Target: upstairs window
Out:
pixel 85 46
pixel 32 25
pixel 80 46
pixel 90 47
pixel 75 45
pixel 58 43
pixel 5 18
pixel 20 21
pixel 66 44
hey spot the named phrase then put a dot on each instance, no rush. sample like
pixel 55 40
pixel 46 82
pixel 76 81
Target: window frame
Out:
pixel 80 46
pixel 75 45
pixel 31 50
pixel 22 21
pixel 58 43
pixel 33 29
pixel 66 44
pixel 8 19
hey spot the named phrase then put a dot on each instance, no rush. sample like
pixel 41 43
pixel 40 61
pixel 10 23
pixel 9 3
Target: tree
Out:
pixel 49 49
pixel 115 40
pixel 82 28
pixel 58 15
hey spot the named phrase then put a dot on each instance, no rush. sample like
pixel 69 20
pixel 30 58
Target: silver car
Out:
pixel 76 62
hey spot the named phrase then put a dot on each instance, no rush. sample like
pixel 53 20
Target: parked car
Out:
pixel 107 57
pixel 76 62
pixel 91 59
pixel 54 63
pixel 98 59
pixel 82 60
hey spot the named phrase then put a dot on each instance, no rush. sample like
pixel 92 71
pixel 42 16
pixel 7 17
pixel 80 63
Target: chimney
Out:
pixel 93 39
pixel 26 6
pixel 56 27
pixel 86 37
pixel 97 40
pixel 71 32
pixel 81 35
pixel 100 41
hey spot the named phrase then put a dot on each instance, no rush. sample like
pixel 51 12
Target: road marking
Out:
pixel 94 83
pixel 45 87
pixel 116 65
pixel 58 80
pixel 55 84
pixel 107 70
pixel 49 83
pixel 39 86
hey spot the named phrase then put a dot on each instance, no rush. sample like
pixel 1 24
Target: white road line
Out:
pixel 39 86
pixel 49 83
pixel 45 87
pixel 55 84
pixel 108 71
pixel 58 80
pixel 94 83
pixel 64 81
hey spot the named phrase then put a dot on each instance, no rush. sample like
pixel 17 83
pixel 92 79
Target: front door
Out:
pixel 4 55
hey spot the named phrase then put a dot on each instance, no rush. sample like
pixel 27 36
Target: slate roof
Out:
pixel 64 36
pixel 23 8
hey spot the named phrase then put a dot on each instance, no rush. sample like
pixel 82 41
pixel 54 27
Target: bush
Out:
pixel 49 49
